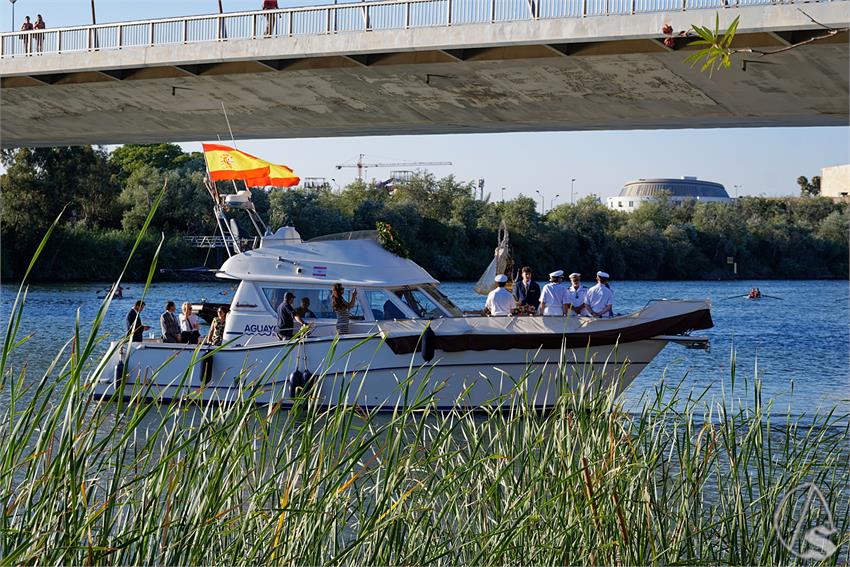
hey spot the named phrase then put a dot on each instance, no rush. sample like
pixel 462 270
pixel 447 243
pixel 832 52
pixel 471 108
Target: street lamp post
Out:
pixel 572 191
pixel 12 2
pixel 542 203
pixel 736 190
pixel 503 194
pixel 552 202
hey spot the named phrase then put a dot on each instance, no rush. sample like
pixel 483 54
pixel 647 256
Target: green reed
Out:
pixel 680 481
pixel 683 479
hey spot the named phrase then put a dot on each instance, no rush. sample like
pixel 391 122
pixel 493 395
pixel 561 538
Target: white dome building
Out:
pixel 635 193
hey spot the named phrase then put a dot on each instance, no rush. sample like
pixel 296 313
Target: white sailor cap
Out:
pixel 575 275
pixel 602 274
pixel 501 278
pixel 557 274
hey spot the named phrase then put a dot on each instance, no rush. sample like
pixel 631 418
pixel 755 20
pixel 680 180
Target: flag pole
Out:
pixel 218 211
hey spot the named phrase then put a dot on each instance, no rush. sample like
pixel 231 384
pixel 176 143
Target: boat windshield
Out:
pixel 418 302
pixel 443 300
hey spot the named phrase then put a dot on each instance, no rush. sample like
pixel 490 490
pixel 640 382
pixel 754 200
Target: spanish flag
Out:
pixel 226 163
pixel 278 176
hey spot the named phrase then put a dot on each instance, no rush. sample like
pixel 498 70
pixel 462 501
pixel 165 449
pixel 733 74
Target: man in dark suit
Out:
pixel 134 322
pixel 169 324
pixel 526 290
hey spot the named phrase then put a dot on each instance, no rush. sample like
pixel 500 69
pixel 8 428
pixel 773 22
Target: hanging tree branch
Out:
pixel 718 50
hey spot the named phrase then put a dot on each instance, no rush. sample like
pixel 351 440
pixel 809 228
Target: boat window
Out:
pixel 443 300
pixel 382 305
pixel 319 300
pixel 422 305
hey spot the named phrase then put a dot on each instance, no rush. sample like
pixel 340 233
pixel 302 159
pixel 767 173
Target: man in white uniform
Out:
pixel 553 297
pixel 500 301
pixel 600 298
pixel 576 294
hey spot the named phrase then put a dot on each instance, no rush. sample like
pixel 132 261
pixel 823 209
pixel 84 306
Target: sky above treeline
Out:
pixel 759 161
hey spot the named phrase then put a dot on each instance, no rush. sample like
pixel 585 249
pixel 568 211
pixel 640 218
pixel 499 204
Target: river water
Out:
pixel 798 344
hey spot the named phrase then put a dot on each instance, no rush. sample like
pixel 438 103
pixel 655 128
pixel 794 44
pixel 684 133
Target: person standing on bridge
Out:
pixel 25 37
pixel 39 37
pixel 270 5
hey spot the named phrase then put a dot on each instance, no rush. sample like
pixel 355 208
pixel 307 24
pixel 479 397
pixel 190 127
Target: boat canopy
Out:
pixel 285 258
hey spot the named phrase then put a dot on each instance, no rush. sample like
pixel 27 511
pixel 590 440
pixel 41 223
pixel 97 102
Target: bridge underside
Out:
pixel 617 84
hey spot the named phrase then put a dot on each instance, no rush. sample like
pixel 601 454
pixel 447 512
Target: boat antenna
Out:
pixel 252 215
pixel 235 188
pixel 226 119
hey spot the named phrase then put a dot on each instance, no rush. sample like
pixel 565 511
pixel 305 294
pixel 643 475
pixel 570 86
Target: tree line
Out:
pixel 448 230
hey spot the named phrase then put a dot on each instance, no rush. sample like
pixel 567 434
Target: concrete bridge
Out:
pixel 419 67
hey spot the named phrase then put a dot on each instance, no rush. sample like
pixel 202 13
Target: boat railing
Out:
pixel 218 241
pixel 336 18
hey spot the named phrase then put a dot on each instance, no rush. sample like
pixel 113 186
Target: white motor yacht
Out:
pixel 407 340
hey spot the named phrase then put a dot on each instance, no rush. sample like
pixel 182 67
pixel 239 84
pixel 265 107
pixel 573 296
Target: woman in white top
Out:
pixel 190 330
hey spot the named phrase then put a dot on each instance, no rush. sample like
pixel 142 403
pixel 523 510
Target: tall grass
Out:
pixel 681 480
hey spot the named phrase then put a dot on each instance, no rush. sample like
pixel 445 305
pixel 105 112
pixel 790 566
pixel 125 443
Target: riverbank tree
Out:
pixel 441 222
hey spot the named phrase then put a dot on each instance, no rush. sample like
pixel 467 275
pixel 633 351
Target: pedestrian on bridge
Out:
pixel 25 37
pixel 39 37
pixel 270 5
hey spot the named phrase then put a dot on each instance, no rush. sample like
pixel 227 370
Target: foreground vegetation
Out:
pixel 446 228
pixel 681 481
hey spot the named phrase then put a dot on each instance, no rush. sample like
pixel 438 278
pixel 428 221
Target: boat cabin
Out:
pixel 388 287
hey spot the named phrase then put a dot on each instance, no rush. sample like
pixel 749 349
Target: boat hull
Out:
pixel 478 363
pixel 364 371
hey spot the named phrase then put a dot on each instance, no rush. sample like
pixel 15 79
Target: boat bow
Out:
pixel 670 317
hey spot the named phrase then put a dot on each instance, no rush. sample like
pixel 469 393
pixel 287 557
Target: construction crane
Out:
pixel 361 167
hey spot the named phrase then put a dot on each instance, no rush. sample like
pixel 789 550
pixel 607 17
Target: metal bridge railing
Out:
pixel 331 19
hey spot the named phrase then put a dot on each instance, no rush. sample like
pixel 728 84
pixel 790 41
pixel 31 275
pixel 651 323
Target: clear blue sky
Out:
pixel 760 160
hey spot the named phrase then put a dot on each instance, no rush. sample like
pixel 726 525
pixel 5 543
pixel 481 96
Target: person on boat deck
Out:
pixel 342 307
pixel 553 297
pixel 190 330
pixel 134 322
pixel 304 311
pixel 500 301
pixel 392 312
pixel 287 316
pixel 577 296
pixel 600 298
pixel 527 290
pixel 217 328
pixel 169 324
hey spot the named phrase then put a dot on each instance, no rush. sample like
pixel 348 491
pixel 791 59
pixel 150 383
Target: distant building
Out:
pixel 315 183
pixel 835 181
pixel 635 193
